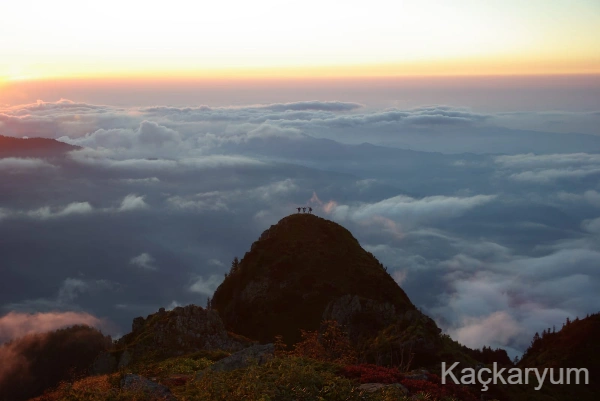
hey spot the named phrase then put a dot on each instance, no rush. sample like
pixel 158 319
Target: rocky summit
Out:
pixel 306 269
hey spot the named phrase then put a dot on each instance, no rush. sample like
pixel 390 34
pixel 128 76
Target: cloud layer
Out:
pixel 14 325
pixel 159 200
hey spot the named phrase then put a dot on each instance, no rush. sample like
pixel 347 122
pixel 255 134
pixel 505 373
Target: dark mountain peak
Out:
pixel 298 270
pixel 307 229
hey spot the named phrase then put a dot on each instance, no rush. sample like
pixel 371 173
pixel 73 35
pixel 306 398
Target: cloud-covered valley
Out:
pixel 491 229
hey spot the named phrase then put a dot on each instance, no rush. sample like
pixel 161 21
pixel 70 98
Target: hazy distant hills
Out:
pixel 33 147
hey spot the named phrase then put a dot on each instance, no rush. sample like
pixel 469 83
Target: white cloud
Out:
pixel 530 160
pixel 592 226
pixel 544 169
pixel 207 286
pixel 545 176
pixel 144 261
pixel 14 324
pixel 411 210
pixel 68 293
pixel 129 203
pixel 15 164
pixel 126 161
pixel 174 304
pixel 400 276
pixel 210 201
pixel 71 289
pixel 592 197
pixel 499 328
pixel 148 134
pixel 75 208
pixel 148 180
pixel 132 202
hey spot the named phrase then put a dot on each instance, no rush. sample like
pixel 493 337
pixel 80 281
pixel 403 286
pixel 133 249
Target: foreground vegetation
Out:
pixel 285 378
pixel 320 367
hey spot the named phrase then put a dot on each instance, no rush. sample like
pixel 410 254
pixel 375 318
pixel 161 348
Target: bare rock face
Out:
pixel 408 331
pixel 137 324
pixel 125 360
pixel 360 315
pixel 176 332
pixel 153 391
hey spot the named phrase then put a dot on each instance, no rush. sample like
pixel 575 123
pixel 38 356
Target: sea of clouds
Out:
pixel 492 231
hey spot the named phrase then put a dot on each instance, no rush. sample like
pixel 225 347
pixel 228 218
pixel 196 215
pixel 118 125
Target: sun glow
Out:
pixel 267 38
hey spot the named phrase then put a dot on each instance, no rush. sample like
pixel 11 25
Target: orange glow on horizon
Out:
pixel 441 68
pixel 269 39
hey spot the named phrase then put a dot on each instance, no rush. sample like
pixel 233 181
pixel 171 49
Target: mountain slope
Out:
pixel 306 269
pixel 32 147
pixel 33 363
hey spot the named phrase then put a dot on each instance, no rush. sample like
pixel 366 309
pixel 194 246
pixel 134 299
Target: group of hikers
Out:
pixel 304 209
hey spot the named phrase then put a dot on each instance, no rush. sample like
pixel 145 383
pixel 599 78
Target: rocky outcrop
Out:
pixel 400 333
pixel 176 332
pixel 258 354
pixel 152 391
pixel 124 360
pixel 360 315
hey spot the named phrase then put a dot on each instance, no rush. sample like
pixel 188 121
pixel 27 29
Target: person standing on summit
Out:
pixel 303 210
pixel 309 209
pixel 298 209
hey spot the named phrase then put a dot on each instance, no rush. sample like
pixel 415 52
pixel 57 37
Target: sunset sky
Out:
pixel 268 38
pixel 459 141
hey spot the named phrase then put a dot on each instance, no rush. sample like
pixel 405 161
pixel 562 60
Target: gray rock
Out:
pixel 342 309
pixel 400 387
pixel 258 354
pixel 137 324
pixel 374 315
pixel 346 307
pixel 177 332
pixel 125 360
pixel 153 390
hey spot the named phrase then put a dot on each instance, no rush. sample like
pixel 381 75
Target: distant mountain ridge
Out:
pixel 33 147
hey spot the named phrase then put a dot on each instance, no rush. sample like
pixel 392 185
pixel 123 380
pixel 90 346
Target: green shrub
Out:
pixel 281 379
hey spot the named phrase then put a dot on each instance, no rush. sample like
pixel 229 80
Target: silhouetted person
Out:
pixel 303 210
pixel 298 209
pixel 310 210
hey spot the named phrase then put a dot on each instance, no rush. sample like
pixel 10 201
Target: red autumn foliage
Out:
pixel 367 373
pixel 329 344
pixel 438 390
